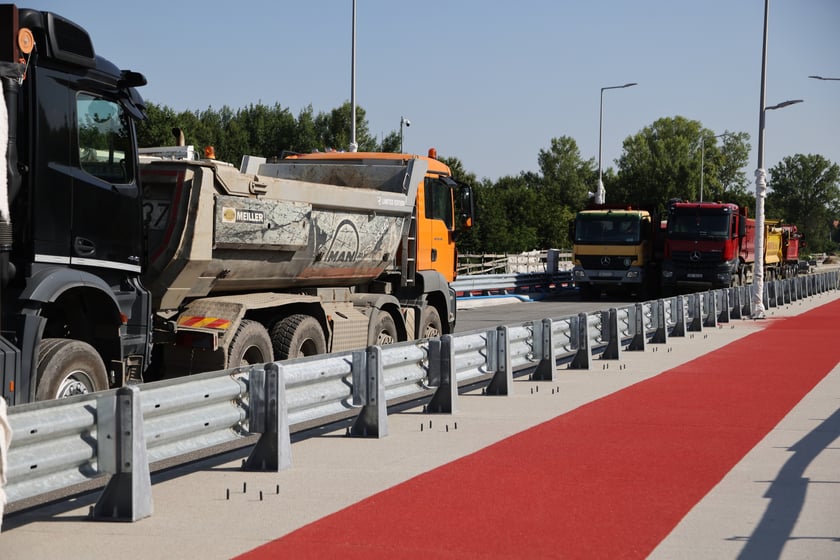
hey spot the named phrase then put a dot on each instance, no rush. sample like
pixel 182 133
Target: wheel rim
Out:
pixel 384 338
pixel 252 355
pixel 308 348
pixel 77 383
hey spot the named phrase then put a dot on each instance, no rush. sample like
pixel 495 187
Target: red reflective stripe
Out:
pixel 207 322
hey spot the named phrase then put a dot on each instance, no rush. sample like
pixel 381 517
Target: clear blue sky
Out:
pixel 492 82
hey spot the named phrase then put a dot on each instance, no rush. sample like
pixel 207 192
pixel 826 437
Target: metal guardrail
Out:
pixel 494 284
pixel 58 444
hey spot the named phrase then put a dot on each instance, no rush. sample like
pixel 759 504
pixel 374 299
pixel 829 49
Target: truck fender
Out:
pixel 386 303
pixel 438 292
pixel 47 286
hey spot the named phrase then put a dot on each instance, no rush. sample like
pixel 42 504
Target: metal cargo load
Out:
pixel 213 229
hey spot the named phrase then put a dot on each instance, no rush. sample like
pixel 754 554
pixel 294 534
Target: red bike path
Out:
pixel 609 479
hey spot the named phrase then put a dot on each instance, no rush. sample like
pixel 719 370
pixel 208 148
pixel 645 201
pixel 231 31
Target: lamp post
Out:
pixel 761 180
pixel 599 195
pixel 760 195
pixel 703 157
pixel 353 145
pixel 403 122
pixel 821 78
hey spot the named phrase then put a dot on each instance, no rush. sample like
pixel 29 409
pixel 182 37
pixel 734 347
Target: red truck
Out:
pixel 712 245
pixel 707 245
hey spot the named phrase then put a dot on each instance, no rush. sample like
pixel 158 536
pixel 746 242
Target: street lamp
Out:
pixel 702 158
pixel 761 180
pixel 599 195
pixel 354 146
pixel 403 122
pixel 760 194
pixel 821 78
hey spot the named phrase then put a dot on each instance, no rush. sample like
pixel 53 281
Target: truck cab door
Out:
pixel 435 224
pixel 105 215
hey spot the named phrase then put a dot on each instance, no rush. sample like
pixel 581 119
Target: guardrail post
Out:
pixel 660 335
pixel 695 313
pixel 268 415
pixel 547 366
pixel 639 338
pixel 747 302
pixel 613 349
pixel 122 452
pixel 583 356
pixel 369 391
pixel 502 382
pixel 725 306
pixel 679 320
pixel 711 310
pixel 773 293
pixel 442 375
pixel 735 306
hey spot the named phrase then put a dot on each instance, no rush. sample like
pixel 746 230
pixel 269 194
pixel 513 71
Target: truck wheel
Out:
pixel 297 336
pixel 251 345
pixel 385 331
pixel 430 323
pixel 67 368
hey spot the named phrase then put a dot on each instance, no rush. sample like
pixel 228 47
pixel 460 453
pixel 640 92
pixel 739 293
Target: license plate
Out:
pixel 694 275
pixel 605 273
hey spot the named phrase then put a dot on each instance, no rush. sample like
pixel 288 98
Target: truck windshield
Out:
pixel 607 230
pixel 698 225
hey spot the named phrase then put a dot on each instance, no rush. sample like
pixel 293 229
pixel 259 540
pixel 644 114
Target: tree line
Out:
pixel 674 157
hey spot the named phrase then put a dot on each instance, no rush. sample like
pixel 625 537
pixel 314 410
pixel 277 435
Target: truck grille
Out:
pixel 696 260
pixel 605 262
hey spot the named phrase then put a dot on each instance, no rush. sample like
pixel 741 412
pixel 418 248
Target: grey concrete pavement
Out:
pixel 194 517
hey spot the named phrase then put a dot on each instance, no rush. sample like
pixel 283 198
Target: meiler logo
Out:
pixel 233 215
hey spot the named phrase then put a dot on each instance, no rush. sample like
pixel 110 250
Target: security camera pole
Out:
pixel 600 195
pixel 403 122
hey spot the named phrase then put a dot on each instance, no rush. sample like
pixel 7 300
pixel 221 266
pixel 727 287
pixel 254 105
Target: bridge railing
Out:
pixel 117 435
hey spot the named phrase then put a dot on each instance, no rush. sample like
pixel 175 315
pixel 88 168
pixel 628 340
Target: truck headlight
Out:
pixel 579 273
pixel 633 274
pixel 667 274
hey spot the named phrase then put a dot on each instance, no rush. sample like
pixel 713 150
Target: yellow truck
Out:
pixel 615 249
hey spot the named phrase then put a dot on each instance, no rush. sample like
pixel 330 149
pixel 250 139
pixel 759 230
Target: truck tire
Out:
pixel 68 367
pixel 384 330
pixel 251 345
pixel 430 323
pixel 297 336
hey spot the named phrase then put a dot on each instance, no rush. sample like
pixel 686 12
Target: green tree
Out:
pixel 728 180
pixel 805 190
pixel 563 185
pixel 391 143
pixel 659 163
pixel 333 129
